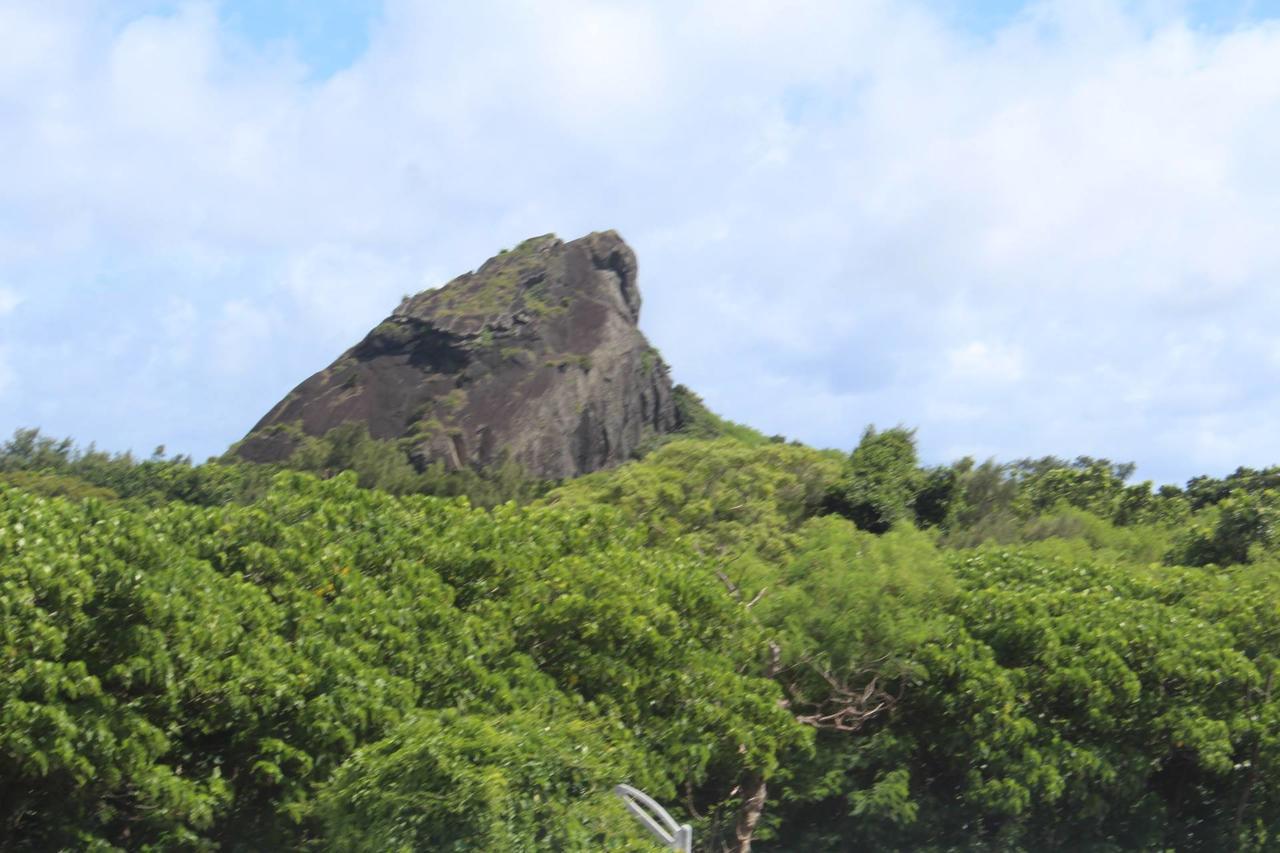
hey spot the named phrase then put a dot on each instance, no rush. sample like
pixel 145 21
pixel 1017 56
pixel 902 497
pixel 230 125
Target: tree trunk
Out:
pixel 1238 823
pixel 754 791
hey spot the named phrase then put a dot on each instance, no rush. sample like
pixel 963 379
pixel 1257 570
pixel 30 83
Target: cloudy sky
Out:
pixel 1044 227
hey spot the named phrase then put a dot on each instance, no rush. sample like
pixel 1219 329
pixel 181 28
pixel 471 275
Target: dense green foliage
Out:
pixel 191 675
pixel 56 467
pixel 520 781
pixel 836 652
pixel 385 465
pixel 698 421
pixel 881 481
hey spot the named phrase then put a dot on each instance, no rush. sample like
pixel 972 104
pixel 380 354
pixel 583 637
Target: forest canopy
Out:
pixel 792 648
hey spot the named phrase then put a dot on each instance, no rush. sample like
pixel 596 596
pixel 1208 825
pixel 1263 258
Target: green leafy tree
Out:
pixel 194 675
pixel 1235 529
pixel 523 781
pixel 233 657
pixel 881 480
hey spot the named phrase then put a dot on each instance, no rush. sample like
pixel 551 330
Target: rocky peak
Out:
pixel 536 356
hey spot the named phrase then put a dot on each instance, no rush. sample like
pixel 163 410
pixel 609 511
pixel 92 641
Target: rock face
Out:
pixel 536 356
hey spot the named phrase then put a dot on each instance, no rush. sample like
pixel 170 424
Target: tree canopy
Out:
pixel 791 648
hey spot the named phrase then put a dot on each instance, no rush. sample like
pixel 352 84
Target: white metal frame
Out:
pixel 653 817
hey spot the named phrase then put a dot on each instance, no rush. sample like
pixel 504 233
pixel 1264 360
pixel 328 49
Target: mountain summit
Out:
pixel 536 356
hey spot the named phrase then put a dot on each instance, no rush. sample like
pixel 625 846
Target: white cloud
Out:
pixel 180 323
pixel 240 338
pixel 337 287
pixel 981 363
pixel 9 300
pixel 906 219
pixel 7 375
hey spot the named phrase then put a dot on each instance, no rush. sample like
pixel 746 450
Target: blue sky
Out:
pixel 1022 228
pixel 327 36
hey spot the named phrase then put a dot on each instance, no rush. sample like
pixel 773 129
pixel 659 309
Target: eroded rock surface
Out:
pixel 536 355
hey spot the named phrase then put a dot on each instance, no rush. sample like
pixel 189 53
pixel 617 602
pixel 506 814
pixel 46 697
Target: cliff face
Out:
pixel 535 355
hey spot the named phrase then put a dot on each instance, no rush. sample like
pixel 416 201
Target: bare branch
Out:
pixel 775 660
pixel 846 708
pixel 688 799
pixel 729 585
